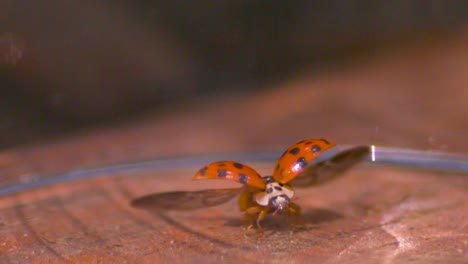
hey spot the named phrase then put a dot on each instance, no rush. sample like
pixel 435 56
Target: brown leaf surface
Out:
pixel 414 98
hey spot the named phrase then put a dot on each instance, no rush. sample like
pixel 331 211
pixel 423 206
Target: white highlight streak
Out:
pixel 373 153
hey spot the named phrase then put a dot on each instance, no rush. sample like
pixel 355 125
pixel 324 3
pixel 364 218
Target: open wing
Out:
pixel 185 200
pixel 329 169
pixel 297 157
pixel 233 171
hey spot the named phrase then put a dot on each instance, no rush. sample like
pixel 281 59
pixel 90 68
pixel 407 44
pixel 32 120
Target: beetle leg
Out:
pixel 248 220
pixel 250 214
pixel 297 211
pixel 260 217
pixel 252 211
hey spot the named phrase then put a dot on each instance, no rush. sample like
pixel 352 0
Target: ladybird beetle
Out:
pixel 261 195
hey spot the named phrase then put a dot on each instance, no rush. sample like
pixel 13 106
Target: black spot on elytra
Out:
pixel 221 165
pixel 315 148
pixel 326 141
pixel 243 178
pixel 294 151
pixel 269 190
pixel 221 173
pixel 281 171
pixel 268 179
pixel 238 165
pixel 278 188
pixel 301 162
pixel 308 142
pixel 277 167
pixel 203 171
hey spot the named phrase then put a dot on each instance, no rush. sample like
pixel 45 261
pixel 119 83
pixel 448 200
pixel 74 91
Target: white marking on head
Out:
pixel 275 196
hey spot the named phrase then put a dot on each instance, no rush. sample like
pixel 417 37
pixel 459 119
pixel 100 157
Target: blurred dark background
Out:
pixel 71 65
